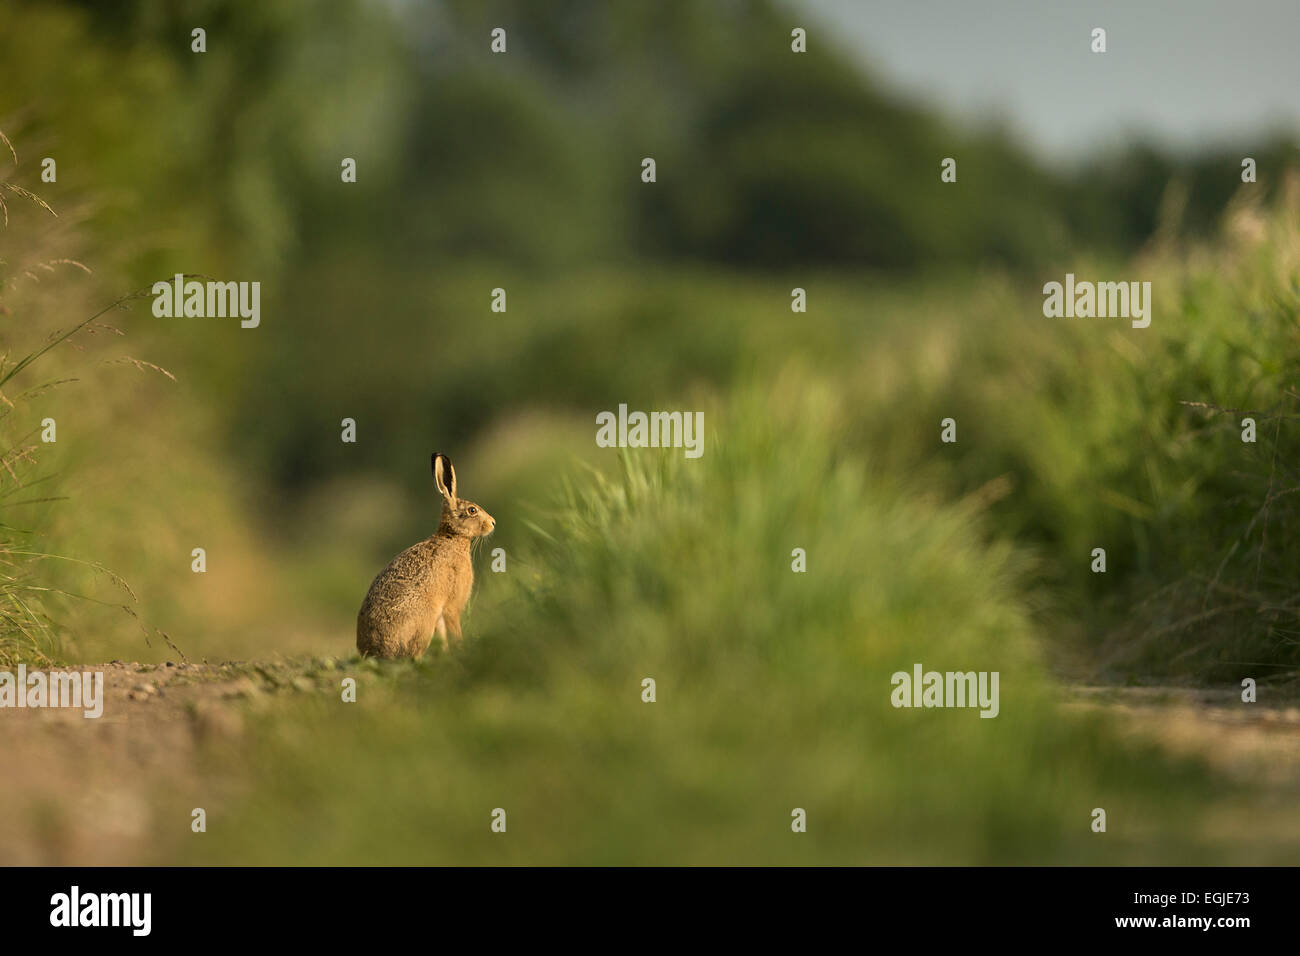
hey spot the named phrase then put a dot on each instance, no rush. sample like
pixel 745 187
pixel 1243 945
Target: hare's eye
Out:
pixel 473 511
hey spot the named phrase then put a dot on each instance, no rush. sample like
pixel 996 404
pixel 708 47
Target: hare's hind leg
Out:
pixel 424 634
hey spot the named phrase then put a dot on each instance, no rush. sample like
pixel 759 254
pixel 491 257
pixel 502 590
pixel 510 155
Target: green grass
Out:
pixel 1080 428
pixel 773 687
pixel 772 690
pixel 26 632
pixel 1088 423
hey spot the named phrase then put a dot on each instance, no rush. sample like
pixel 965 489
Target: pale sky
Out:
pixel 1188 72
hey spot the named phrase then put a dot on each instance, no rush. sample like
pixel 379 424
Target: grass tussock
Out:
pixel 1131 440
pixel 30 583
pixel 772 689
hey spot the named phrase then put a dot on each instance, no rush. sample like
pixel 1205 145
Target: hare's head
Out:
pixel 462 518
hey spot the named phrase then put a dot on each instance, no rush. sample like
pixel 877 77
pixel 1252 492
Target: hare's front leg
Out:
pixel 441 628
pixel 452 618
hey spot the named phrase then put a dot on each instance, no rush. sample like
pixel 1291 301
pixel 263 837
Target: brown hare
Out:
pixel 425 588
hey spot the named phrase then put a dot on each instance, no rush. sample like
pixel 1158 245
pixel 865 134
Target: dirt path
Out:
pixel 1256 741
pixel 91 791
pixel 119 789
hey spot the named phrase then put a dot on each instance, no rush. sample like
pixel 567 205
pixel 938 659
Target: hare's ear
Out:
pixel 444 476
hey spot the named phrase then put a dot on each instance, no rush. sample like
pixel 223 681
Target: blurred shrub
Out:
pixel 1130 440
pixel 772 689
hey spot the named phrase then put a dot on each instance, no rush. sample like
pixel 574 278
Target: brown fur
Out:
pixel 426 587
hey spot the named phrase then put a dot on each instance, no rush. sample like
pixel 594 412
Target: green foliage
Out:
pixel 773 690
pixel 521 172
pixel 1130 440
pixel 28 583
